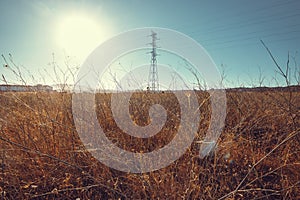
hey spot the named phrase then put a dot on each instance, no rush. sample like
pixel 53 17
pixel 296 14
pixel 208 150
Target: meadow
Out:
pixel 257 155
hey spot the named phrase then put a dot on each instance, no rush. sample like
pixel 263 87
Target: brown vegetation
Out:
pixel 257 156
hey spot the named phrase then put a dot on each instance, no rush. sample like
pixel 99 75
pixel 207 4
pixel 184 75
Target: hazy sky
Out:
pixel 230 31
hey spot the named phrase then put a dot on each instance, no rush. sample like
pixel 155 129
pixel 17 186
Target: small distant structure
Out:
pixel 64 87
pixel 153 84
pixel 25 88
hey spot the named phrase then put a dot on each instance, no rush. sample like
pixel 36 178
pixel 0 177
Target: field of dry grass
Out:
pixel 257 157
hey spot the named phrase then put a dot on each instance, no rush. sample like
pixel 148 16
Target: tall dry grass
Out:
pixel 257 156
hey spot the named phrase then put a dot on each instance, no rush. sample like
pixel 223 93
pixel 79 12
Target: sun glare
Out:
pixel 78 34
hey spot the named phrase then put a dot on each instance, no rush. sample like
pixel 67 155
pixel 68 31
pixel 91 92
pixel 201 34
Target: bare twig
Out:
pixel 281 72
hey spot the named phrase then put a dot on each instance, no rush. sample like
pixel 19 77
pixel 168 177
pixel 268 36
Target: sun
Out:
pixel 79 34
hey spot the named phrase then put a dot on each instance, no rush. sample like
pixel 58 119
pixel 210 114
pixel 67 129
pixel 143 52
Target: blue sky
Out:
pixel 31 31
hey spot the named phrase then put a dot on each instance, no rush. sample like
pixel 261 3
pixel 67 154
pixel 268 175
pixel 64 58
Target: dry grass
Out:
pixel 257 156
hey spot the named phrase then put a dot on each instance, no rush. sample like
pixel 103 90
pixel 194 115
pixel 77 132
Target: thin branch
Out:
pixel 284 75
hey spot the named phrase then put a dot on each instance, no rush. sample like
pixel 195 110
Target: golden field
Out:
pixel 257 155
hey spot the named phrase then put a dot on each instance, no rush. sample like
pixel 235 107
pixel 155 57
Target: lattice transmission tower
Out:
pixel 153 84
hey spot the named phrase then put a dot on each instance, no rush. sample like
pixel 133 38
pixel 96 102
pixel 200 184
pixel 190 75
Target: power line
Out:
pixel 239 15
pixel 253 37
